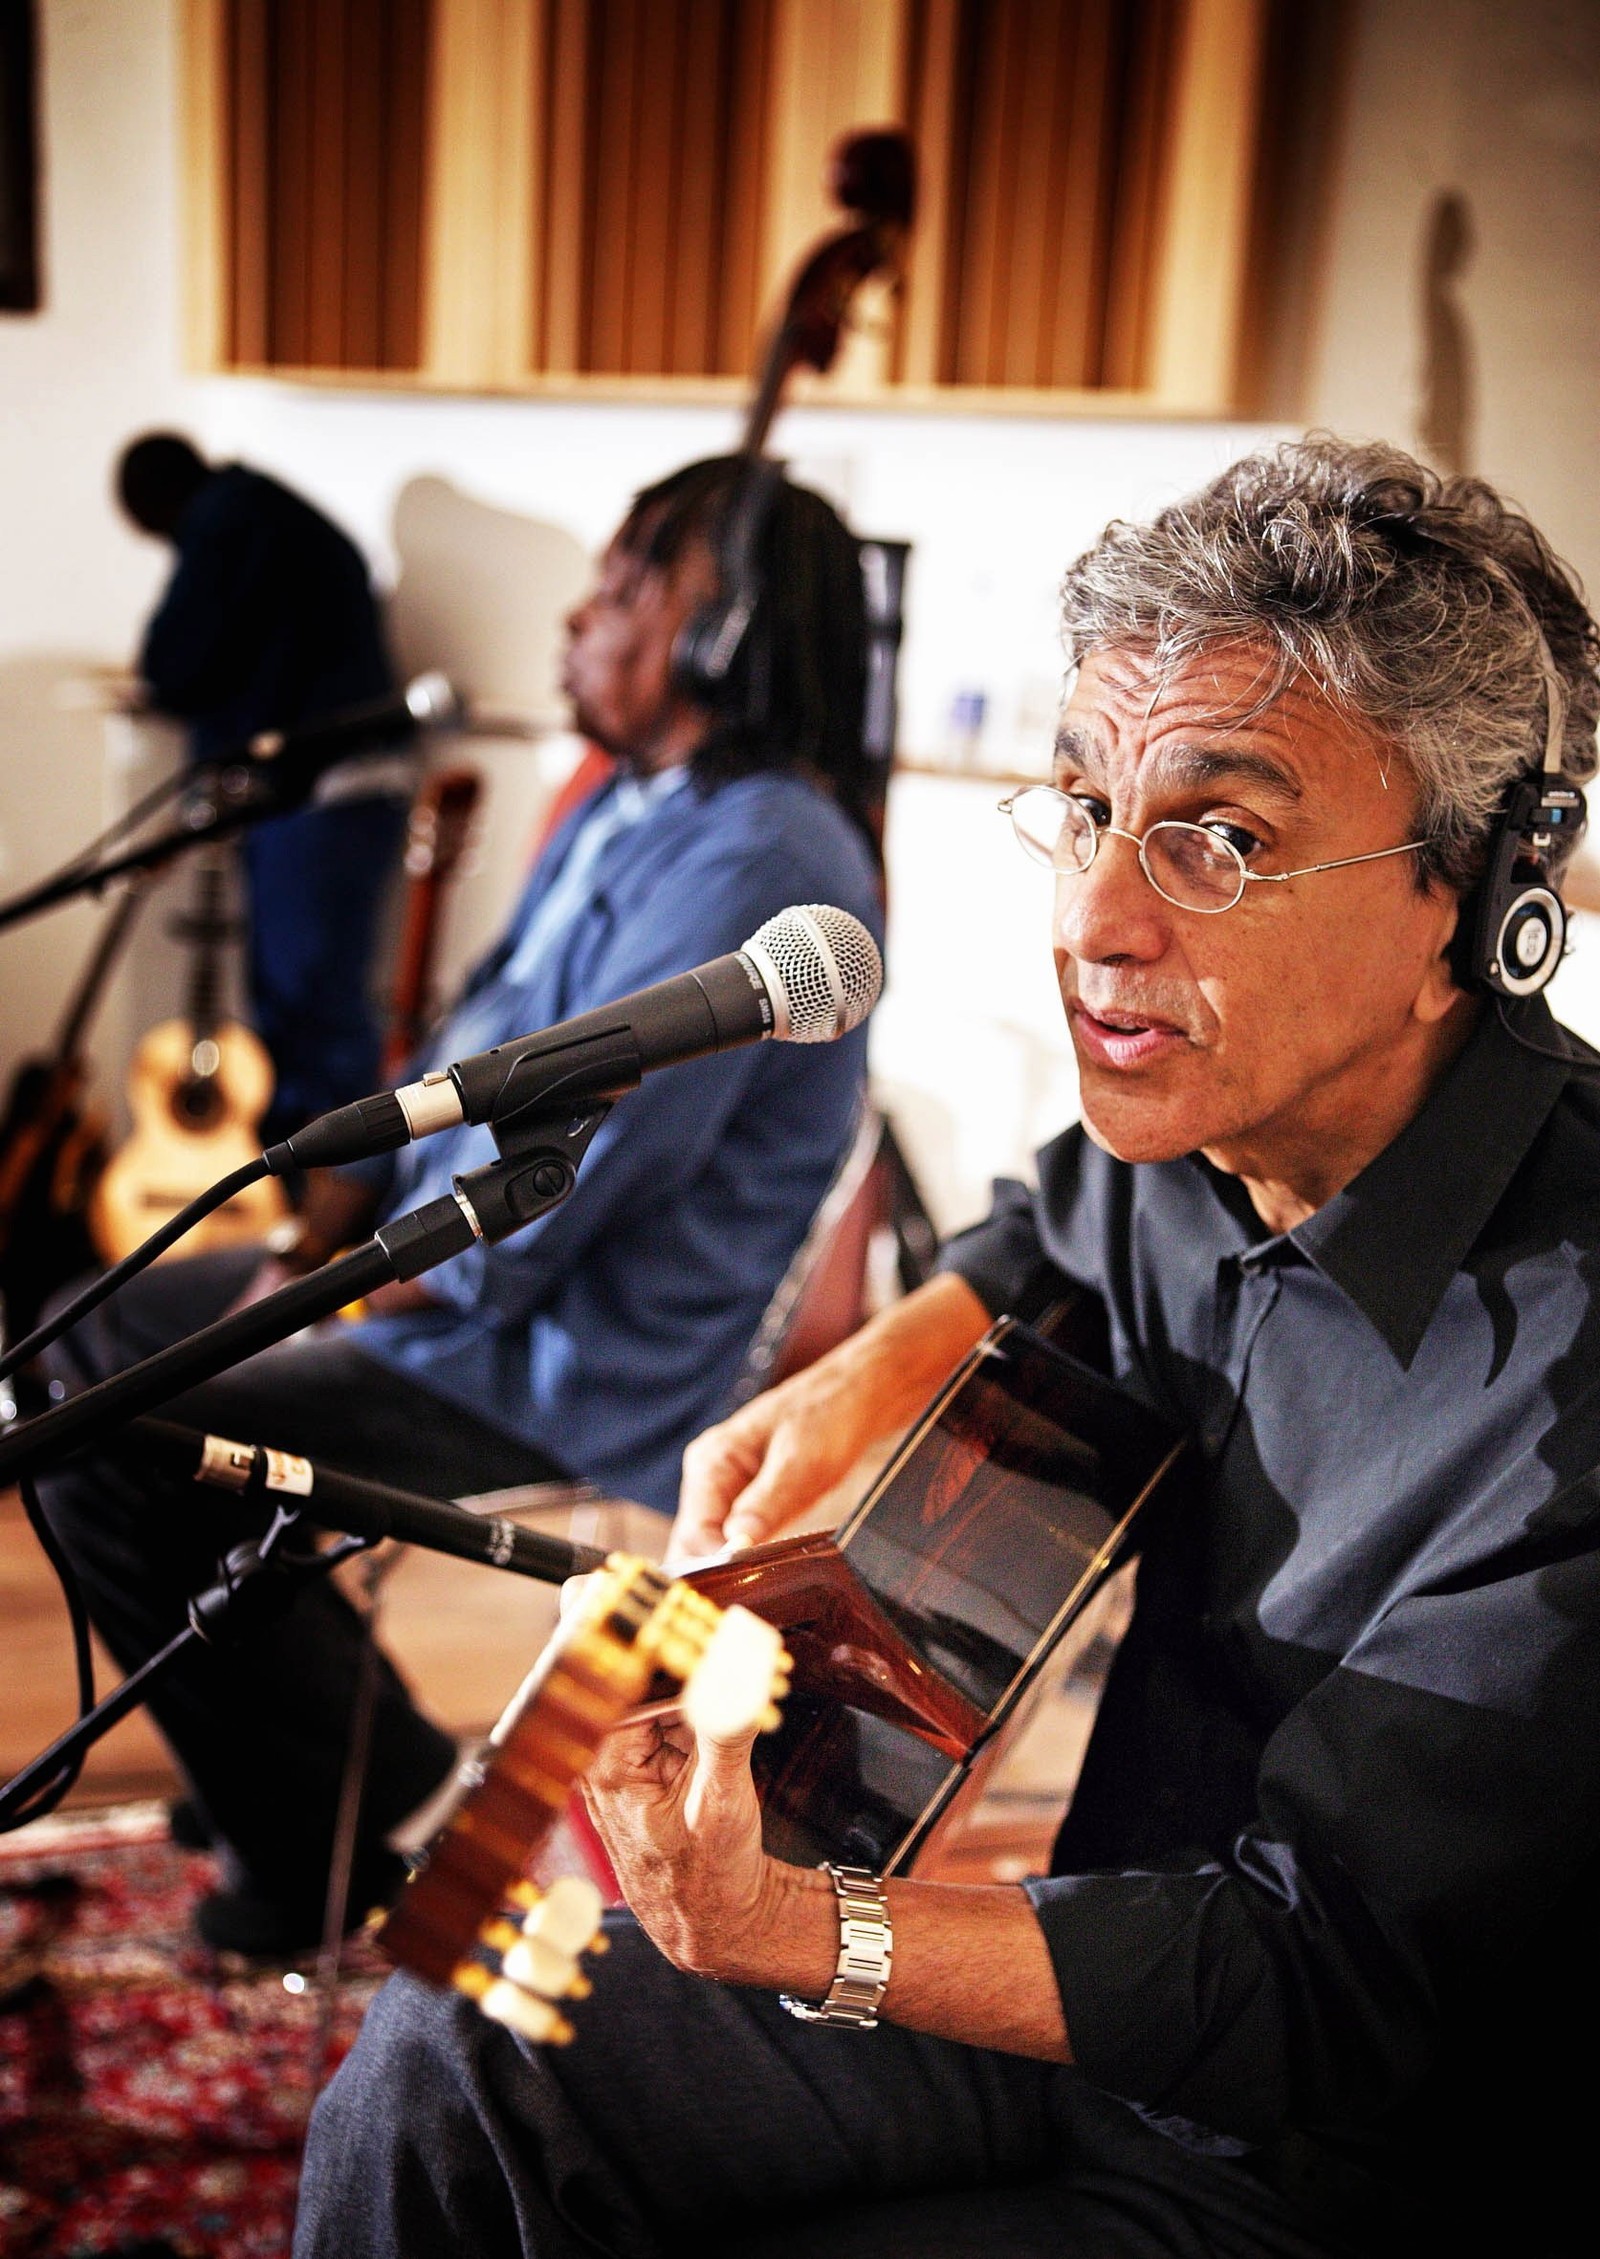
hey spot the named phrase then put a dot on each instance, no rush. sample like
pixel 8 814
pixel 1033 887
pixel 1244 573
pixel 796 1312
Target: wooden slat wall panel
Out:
pixel 657 183
pixel 932 53
pixel 326 101
pixel 1075 267
pixel 1198 292
pixel 736 302
pixel 703 93
pixel 1052 160
pixel 328 92
pixel 361 343
pixel 566 140
pixel 288 94
pixel 246 61
pixel 402 175
pixel 503 191
pixel 656 122
pixel 1142 73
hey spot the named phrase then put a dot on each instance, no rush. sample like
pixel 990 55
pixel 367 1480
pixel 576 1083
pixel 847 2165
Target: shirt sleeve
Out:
pixel 659 1137
pixel 1424 1808
pixel 1003 1259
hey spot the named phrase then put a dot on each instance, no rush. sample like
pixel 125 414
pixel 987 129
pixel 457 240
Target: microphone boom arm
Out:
pixel 538 1168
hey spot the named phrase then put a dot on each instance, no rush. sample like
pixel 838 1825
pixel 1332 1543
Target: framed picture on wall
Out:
pixel 19 186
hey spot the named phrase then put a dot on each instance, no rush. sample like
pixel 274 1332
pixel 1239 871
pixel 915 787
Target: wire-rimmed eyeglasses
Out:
pixel 1189 865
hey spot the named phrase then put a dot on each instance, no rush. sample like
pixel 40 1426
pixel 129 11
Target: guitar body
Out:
pixel 919 1627
pixel 53 1146
pixel 51 1149
pixel 188 1130
pixel 911 1638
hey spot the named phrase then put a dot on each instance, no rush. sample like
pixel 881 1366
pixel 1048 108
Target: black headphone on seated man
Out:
pixel 706 651
pixel 1513 930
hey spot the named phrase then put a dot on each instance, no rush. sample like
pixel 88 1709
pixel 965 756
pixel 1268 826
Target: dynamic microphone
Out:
pixel 808 975
pixel 287 763
pixel 347 1502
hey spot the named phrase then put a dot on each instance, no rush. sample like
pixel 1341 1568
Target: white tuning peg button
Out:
pixel 567 1916
pixel 521 2012
pixel 540 1967
pixel 730 1689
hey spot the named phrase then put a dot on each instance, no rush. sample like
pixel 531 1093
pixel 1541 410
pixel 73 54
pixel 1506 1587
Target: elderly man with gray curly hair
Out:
pixel 1314 1971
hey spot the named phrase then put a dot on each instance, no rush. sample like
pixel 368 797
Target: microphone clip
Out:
pixel 540 1152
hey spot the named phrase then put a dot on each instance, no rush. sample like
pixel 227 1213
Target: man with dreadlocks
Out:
pixel 597 1342
pixel 1315 1968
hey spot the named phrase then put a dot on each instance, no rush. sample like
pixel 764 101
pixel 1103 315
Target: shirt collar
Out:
pixel 634 797
pixel 1396 1235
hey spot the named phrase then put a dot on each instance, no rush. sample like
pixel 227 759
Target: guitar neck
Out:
pixel 86 997
pixel 440 823
pixel 205 930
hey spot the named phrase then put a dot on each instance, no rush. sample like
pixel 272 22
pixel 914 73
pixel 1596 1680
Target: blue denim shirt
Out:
pixel 610 1332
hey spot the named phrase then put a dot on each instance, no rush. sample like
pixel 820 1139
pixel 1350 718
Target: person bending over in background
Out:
pixel 267 622
pixel 599 1340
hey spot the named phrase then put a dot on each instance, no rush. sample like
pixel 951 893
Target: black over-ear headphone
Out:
pixel 710 640
pixel 1514 923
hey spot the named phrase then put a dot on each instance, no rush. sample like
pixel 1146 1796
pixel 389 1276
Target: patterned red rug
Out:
pixel 153 2095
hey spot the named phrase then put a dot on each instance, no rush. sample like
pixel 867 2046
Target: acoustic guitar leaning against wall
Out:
pixel 197 1089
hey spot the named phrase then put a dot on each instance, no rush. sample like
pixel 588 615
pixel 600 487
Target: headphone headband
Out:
pixel 706 652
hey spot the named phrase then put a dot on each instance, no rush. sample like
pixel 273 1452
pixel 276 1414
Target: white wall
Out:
pixel 1499 100
pixel 1494 98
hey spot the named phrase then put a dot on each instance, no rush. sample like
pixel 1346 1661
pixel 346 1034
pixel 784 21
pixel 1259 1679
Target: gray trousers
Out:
pixel 688 2117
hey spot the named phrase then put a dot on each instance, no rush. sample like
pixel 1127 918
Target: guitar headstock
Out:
pixel 441 823
pixel 471 1919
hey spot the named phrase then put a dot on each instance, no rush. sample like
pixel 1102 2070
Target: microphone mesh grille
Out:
pixel 826 965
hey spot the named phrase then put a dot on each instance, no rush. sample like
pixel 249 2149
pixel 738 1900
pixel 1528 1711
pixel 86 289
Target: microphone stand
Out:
pixel 222 801
pixel 540 1152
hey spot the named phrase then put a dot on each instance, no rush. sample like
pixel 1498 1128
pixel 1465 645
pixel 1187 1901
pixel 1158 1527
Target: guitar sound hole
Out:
pixel 197 1102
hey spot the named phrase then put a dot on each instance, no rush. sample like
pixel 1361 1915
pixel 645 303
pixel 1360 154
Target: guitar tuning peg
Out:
pixel 525 2014
pixel 567 1917
pixel 731 1689
pixel 536 1966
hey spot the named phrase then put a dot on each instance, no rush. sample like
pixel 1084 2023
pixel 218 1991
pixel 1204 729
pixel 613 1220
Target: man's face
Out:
pixel 1284 1033
pixel 618 668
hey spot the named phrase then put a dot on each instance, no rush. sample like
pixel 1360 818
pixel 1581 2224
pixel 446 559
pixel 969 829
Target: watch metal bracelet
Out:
pixel 866 1950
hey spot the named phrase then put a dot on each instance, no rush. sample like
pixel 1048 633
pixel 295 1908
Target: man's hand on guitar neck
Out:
pixel 678 1815
pixel 747 1478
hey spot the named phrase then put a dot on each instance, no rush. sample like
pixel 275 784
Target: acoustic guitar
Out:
pixel 197 1089
pixel 471 1920
pixel 53 1146
pixel 437 838
pixel 914 1632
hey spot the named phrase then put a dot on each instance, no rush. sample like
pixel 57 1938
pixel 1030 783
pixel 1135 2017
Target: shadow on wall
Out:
pixel 52 798
pixel 1445 411
pixel 482 593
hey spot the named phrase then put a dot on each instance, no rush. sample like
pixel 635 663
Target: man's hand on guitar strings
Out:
pixel 748 1478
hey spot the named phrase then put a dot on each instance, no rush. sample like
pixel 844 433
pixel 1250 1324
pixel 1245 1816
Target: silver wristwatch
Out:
pixel 866 1948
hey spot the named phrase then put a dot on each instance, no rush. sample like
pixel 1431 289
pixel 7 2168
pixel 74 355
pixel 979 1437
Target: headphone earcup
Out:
pixel 1513 923
pixel 1526 944
pixel 705 650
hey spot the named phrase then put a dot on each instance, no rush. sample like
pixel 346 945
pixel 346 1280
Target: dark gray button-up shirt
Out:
pixel 1328 1891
